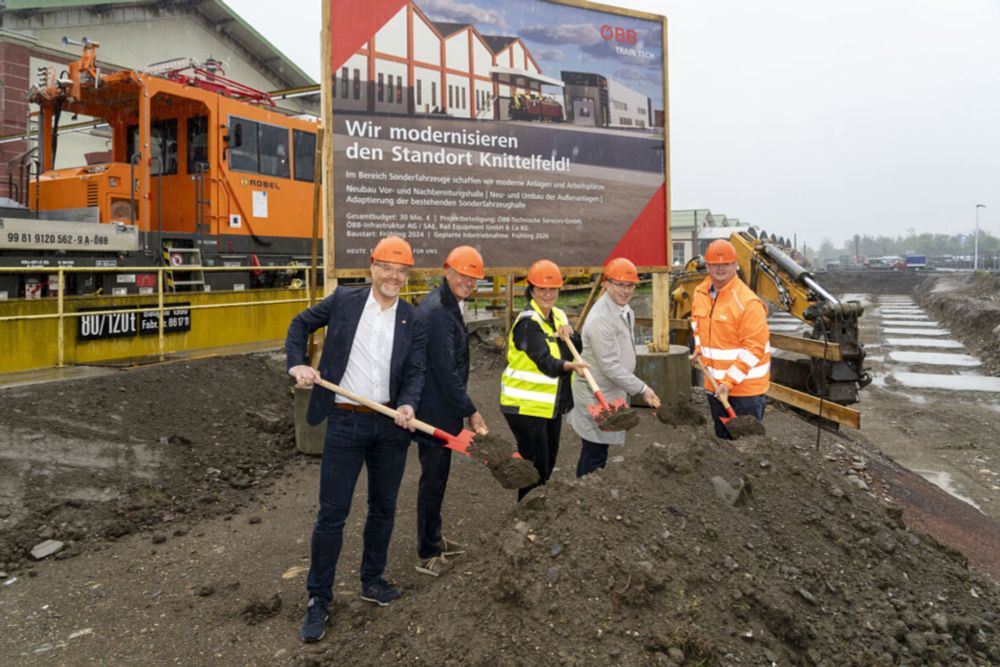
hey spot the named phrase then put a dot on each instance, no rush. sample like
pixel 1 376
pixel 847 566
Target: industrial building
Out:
pixel 413 65
pixel 598 101
pixel 691 230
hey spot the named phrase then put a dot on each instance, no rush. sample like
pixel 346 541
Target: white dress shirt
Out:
pixel 367 372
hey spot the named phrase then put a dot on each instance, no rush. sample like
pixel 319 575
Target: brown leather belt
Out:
pixel 350 407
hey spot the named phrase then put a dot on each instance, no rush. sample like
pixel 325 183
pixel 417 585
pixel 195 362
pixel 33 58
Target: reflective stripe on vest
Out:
pixel 522 385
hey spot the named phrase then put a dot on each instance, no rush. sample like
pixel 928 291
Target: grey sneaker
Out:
pixel 435 566
pixel 314 625
pixel 380 591
pixel 450 548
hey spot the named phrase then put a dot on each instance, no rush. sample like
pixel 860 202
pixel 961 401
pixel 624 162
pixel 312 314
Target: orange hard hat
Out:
pixel 466 260
pixel 545 273
pixel 393 249
pixel 720 251
pixel 622 270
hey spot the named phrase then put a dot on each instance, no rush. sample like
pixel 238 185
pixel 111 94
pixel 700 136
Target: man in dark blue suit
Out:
pixel 445 402
pixel 375 347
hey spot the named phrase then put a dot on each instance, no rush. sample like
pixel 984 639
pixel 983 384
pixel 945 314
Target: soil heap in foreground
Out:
pixel 692 552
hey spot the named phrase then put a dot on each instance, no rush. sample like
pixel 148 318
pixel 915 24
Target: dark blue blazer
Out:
pixel 340 313
pixel 445 402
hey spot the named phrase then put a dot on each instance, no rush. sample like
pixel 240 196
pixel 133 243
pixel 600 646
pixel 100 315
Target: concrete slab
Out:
pixel 935 359
pixel 924 342
pixel 903 331
pixel 909 323
pixel 949 382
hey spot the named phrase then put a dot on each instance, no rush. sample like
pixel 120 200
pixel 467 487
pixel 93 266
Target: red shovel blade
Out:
pixel 731 413
pixel 460 443
pixel 602 409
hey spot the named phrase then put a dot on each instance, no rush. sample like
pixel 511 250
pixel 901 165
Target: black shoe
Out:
pixel 380 591
pixel 314 625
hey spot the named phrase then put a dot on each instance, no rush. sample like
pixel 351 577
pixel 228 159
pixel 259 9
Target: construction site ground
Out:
pixel 185 514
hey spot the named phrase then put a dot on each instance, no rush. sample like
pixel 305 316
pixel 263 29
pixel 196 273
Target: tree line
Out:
pixel 932 245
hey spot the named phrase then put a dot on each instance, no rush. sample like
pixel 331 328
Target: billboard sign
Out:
pixel 525 128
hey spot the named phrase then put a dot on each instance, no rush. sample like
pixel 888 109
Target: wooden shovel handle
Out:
pixel 586 371
pixel 715 385
pixel 377 407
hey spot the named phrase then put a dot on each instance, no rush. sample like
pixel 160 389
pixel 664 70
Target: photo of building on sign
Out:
pixel 416 65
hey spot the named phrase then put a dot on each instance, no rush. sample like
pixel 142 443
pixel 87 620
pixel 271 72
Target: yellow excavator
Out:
pixel 820 373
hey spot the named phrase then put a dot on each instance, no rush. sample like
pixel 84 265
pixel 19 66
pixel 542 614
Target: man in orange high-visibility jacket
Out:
pixel 729 323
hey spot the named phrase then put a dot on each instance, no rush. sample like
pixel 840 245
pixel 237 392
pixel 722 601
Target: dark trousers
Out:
pixel 435 464
pixel 537 441
pixel 354 440
pixel 593 456
pixel 742 405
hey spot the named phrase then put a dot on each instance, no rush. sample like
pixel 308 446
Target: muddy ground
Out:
pixel 186 512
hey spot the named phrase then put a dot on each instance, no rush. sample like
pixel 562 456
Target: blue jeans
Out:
pixel 435 464
pixel 742 405
pixel 593 456
pixel 354 440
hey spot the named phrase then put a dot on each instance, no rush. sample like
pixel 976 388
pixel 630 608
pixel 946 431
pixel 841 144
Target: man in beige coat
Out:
pixel 609 349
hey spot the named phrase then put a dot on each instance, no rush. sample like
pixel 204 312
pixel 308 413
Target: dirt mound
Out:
pixel 969 305
pixel 154 449
pixel 694 552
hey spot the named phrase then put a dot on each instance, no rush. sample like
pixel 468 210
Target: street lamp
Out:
pixel 975 252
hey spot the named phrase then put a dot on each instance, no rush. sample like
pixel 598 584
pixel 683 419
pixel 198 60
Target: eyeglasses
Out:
pixel 625 286
pixel 400 271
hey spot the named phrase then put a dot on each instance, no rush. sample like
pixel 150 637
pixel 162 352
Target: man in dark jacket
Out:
pixel 375 347
pixel 445 402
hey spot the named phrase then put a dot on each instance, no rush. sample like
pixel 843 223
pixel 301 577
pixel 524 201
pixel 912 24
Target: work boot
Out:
pixel 450 548
pixel 314 625
pixel 434 566
pixel 380 591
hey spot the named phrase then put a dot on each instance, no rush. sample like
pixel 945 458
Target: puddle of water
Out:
pixel 903 331
pixel 878 379
pixel 924 342
pixel 949 382
pixel 934 358
pixel 943 481
pixel 909 323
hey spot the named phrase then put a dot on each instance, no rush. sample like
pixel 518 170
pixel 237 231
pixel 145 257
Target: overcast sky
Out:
pixel 821 119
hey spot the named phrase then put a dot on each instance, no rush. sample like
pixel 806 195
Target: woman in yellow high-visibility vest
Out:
pixel 535 388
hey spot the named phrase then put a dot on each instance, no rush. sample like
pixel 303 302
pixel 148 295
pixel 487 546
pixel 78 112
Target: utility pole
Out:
pixel 975 252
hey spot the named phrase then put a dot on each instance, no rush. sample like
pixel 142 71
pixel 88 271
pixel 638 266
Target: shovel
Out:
pixel 715 389
pixel 613 416
pixel 746 425
pixel 460 442
pixel 512 473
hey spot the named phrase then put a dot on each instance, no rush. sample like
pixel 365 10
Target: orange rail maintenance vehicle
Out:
pixel 202 172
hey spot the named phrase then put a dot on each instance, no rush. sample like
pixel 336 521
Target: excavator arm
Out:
pixel 820 372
